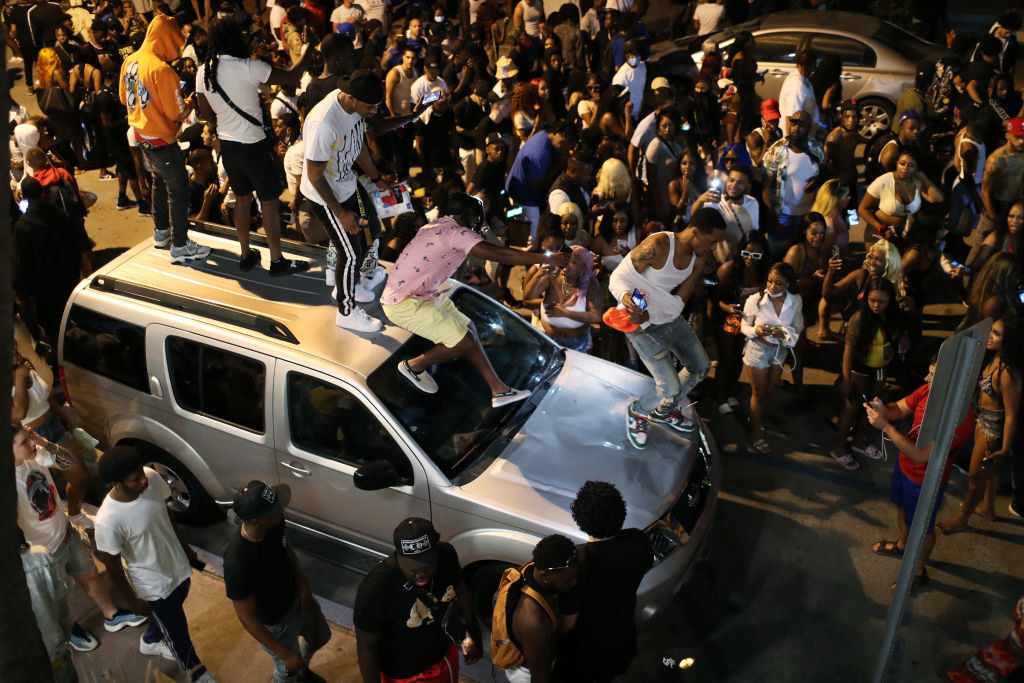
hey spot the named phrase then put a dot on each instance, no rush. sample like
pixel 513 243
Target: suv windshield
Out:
pixel 457 426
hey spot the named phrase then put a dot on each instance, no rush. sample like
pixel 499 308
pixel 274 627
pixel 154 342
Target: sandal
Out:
pixel 760 444
pixel 887 548
pixel 870 451
pixel 846 460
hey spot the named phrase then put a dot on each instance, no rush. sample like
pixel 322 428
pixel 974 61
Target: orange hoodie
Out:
pixel 149 87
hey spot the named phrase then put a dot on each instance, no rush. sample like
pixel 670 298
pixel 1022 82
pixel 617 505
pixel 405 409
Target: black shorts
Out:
pixel 252 166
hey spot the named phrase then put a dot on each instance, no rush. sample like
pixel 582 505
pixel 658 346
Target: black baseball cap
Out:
pixel 416 543
pixel 365 86
pixel 257 499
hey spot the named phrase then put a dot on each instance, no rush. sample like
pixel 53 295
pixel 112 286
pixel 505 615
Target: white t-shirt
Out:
pixel 40 513
pixel 277 16
pixel 801 168
pixel 796 95
pixel 739 221
pixel 420 87
pixel 335 136
pixel 634 79
pixel 377 9
pixel 141 533
pixel 279 106
pixel 240 79
pixel 350 15
pixel 711 16
pixel 293 164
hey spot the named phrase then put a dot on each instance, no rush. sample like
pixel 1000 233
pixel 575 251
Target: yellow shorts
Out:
pixel 436 319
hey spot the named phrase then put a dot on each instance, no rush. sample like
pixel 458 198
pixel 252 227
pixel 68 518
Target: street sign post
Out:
pixel 956 375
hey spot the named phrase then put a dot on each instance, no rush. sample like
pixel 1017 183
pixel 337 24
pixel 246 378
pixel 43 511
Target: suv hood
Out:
pixel 578 432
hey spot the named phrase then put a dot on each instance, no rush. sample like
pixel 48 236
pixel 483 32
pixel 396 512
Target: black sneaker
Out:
pixel 249 261
pixel 144 208
pixel 125 203
pixel 283 266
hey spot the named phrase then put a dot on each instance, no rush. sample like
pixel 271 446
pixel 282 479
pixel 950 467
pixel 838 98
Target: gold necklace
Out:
pixel 564 285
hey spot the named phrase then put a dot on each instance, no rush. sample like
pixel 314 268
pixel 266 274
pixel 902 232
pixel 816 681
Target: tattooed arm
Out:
pixel 648 252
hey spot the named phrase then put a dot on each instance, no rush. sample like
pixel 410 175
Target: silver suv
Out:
pixel 222 377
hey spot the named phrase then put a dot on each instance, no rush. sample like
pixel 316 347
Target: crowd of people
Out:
pixel 680 226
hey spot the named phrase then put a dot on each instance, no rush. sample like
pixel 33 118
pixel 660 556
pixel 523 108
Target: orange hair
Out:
pixel 47 62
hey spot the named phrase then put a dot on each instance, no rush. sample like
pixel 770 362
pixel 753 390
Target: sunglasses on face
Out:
pixel 751 254
pixel 569 562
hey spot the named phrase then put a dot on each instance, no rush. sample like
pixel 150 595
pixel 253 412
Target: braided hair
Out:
pixel 225 37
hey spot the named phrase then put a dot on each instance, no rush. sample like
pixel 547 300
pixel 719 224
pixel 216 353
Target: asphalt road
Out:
pixel 790 589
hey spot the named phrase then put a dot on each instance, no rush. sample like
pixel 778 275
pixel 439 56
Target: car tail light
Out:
pixel 64 385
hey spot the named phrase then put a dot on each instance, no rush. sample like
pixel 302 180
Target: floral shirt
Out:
pixel 433 256
pixel 776 164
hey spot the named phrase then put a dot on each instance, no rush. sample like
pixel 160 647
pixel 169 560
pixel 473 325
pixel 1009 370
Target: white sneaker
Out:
pixel 161 239
pixel 357 321
pixel 364 295
pixel 158 648
pixel 378 276
pixel 190 252
pixel 421 380
pixel 511 396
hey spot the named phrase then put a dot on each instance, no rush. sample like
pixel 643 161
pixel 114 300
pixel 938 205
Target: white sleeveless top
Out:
pixel 532 17
pixel 979 167
pixel 612 261
pixel 38 398
pixel 562 321
pixel 403 91
pixel 668 277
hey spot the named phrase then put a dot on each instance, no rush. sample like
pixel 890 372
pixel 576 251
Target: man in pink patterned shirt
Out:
pixel 411 301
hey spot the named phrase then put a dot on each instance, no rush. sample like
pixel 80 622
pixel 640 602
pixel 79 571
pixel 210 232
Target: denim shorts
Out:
pixel 53 429
pixel 72 555
pixel 904 493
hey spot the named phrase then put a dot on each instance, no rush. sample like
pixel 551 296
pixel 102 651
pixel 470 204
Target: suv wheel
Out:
pixel 189 501
pixel 484 585
pixel 875 117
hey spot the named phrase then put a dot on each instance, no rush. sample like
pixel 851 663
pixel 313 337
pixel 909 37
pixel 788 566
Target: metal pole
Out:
pixel 962 381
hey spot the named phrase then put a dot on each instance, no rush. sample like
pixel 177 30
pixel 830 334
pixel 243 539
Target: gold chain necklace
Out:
pixel 564 284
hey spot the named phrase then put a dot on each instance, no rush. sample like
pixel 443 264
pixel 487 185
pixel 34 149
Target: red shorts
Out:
pixel 444 671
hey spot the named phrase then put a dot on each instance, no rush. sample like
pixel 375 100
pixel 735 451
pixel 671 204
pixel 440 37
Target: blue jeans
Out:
pixel 170 190
pixel 656 345
pixel 302 633
pixel 582 343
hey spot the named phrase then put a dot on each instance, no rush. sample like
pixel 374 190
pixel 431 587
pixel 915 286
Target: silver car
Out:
pixel 879 58
pixel 222 377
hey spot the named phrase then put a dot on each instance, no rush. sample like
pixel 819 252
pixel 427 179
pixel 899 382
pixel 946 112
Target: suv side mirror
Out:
pixel 376 475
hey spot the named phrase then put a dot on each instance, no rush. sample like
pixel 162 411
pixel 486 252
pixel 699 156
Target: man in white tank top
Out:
pixel 663 270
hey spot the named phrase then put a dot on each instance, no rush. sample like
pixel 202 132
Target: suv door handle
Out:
pixel 296 469
pixel 155 388
pixel 778 72
pixel 849 77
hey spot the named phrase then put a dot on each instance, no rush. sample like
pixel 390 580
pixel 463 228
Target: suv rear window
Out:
pixel 107 346
pixel 216 383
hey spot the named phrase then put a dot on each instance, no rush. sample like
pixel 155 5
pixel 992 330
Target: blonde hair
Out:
pixel 829 198
pixel 613 181
pixel 893 265
pixel 569 208
pixel 47 62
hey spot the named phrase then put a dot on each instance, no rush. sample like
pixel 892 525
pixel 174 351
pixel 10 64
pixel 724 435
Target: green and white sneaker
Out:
pixel 676 420
pixel 636 428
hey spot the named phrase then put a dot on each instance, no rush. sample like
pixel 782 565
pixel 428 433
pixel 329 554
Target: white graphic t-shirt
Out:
pixel 335 136
pixel 40 514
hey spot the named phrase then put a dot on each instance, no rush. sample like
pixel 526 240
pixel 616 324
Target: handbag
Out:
pixel 452 621
pixel 54 101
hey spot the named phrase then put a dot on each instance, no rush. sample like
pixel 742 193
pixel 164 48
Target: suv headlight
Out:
pixel 674 528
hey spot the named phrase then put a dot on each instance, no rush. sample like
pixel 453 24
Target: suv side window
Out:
pixel 328 421
pixel 850 52
pixel 777 47
pixel 216 383
pixel 107 346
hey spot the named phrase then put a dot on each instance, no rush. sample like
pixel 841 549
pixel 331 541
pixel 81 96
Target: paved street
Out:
pixel 790 590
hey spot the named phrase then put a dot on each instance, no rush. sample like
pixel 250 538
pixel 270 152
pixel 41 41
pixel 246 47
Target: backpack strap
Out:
pixel 526 590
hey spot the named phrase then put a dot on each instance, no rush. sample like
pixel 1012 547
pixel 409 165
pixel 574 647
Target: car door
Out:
pixel 217 402
pixel 858 60
pixel 331 431
pixel 775 53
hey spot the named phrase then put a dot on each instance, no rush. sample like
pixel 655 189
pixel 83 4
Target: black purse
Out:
pixel 452 621
pixel 54 101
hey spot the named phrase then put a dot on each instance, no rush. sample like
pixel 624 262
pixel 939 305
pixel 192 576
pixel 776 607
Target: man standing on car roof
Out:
pixel 412 302
pixel 405 608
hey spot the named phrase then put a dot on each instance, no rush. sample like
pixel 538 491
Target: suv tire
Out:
pixel 190 503
pixel 483 583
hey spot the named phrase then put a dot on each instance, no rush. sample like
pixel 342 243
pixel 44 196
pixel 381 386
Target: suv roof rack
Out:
pixel 180 302
pixel 255 238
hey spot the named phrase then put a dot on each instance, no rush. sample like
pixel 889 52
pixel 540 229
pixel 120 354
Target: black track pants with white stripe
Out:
pixel 351 250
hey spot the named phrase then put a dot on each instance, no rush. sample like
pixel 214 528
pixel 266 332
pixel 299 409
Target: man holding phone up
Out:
pixel 653 284
pixel 740 211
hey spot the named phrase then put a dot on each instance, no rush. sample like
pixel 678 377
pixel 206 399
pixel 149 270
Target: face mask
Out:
pixel 633 61
pixel 439 19
pixel 776 296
